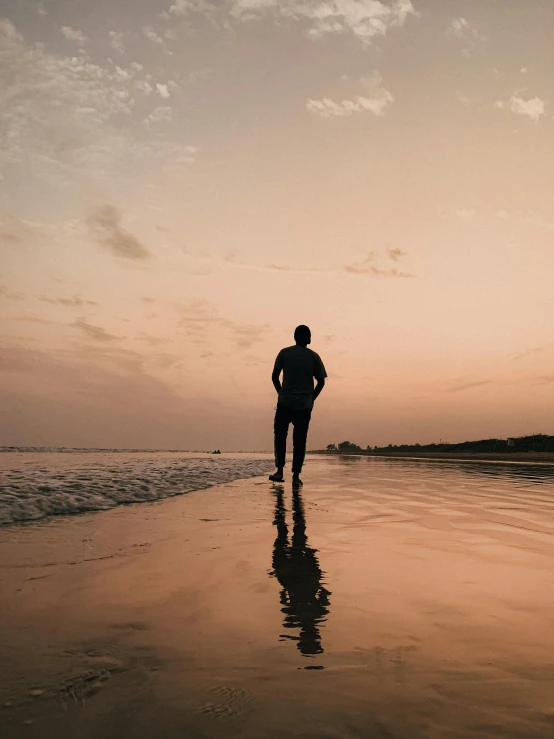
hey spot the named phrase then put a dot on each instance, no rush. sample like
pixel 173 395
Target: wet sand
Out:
pixel 390 598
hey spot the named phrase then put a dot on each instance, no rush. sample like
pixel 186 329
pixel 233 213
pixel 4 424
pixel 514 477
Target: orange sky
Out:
pixel 183 185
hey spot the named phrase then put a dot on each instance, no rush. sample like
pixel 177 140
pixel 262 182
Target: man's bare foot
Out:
pixel 277 476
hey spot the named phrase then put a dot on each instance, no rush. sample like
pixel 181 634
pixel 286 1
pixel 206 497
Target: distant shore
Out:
pixel 475 456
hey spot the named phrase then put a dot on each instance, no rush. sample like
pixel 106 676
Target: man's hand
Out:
pixel 318 388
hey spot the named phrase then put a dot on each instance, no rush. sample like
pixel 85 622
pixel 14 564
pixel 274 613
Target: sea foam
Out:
pixel 36 485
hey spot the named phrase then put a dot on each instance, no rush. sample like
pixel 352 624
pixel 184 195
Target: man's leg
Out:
pixel 280 432
pixel 301 422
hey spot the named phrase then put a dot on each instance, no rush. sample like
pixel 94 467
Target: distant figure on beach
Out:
pixel 296 396
pixel 304 598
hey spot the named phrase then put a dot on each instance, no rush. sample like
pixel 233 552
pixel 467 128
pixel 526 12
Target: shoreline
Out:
pixel 542 457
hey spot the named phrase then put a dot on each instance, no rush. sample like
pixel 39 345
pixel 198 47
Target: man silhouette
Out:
pixel 295 400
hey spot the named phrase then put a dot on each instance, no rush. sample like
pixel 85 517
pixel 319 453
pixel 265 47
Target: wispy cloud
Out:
pixel 327 108
pixel 368 266
pixel 116 41
pixel 543 380
pixel 533 351
pixel 458 388
pixel 371 265
pixel 11 229
pixel 9 295
pixel 201 322
pixel 395 254
pixel 160 114
pixel 74 302
pixel 375 100
pixel 462 29
pixel 466 214
pixel 105 225
pixel 149 33
pixel 73 34
pixel 93 332
pixel 32 319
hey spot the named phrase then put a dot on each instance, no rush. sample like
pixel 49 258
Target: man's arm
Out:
pixel 277 368
pixel 319 387
pixel 320 374
pixel 275 379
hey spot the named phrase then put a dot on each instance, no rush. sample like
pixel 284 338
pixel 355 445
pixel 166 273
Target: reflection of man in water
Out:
pixel 295 400
pixel 304 600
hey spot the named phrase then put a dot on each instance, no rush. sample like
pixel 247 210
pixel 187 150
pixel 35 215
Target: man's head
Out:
pixel 302 335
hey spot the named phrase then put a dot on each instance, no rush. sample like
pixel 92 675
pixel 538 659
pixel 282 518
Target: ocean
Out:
pixel 36 484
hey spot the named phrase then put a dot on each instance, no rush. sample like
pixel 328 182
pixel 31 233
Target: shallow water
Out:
pixel 388 598
pixel 34 485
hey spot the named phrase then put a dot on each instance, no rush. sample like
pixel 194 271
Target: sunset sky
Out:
pixel 183 182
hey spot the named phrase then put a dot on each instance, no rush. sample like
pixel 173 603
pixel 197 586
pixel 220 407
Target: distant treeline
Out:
pixel 534 443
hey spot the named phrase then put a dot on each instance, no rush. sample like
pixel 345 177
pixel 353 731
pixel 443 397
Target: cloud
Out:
pixel 533 108
pixel 72 34
pixel 10 230
pixel 376 101
pixel 201 322
pixel 367 266
pixel 32 319
pixel 116 41
pixel 233 260
pixel 365 19
pixel 94 332
pixel 63 118
pixel 191 7
pixel 159 115
pixel 466 214
pixel 5 293
pixel 395 254
pixel 9 31
pixel 328 108
pixel 468 386
pixel 105 224
pixel 144 87
pixel 463 99
pixel 16 231
pixel 461 29
pixel 544 380
pixel 279 267
pixel 149 33
pixel 74 302
pixel 163 90
pixel 533 350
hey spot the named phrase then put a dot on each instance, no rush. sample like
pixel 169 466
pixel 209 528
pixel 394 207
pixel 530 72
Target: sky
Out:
pixel 182 182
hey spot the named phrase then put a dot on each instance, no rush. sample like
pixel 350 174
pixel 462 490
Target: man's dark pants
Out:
pixel 300 420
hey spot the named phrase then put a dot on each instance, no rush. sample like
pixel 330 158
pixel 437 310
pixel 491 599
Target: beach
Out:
pixel 387 598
